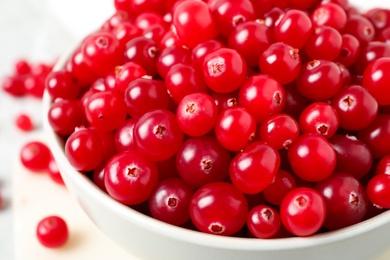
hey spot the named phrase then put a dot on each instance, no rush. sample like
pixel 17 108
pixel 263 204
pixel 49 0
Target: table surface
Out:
pixel 40 31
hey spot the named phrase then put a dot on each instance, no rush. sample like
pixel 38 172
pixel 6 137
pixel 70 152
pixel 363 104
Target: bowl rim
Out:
pixel 178 233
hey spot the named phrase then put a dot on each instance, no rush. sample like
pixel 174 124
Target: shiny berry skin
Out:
pixel 182 80
pixel 250 39
pixel 144 95
pixel 280 61
pixel 345 199
pixel 102 52
pixel 157 135
pixel 200 51
pixel 360 27
pixel 218 208
pixel 130 177
pixel 294 28
pixel 376 80
pixel 319 117
pixel 144 52
pixel 324 43
pixel 125 74
pixel 79 68
pixel 377 136
pixel 196 114
pixel 329 14
pixel 172 56
pixel 202 160
pixel 193 23
pixel 125 31
pixel 303 211
pixel 84 149
pixel 279 130
pixel 235 128
pixel 124 140
pixel 325 84
pixel 24 122
pixel 65 115
pixel 35 156
pixel 279 187
pixel 252 170
pixel 170 201
pixel 263 221
pixel 228 14
pixel 370 52
pixel 353 156
pixel 312 157
pixel 224 70
pixel 14 86
pixel 105 111
pixel 378 191
pixel 262 96
pixel 350 49
pixel 383 166
pixel 52 232
pixel 355 106
pixel 60 84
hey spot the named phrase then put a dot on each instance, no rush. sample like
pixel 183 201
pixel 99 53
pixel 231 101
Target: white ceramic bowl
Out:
pixel 147 238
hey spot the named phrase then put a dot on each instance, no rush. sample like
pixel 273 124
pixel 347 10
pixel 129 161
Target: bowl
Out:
pixel 147 238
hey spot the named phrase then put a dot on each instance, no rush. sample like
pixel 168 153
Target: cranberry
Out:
pixel 24 122
pixel 196 114
pixel 172 56
pixel 14 86
pixel 378 190
pixel 144 95
pixel 54 172
pixel 193 23
pixel 35 156
pixel 84 149
pixel 124 136
pixel 377 136
pixel 263 221
pixel 60 84
pixel 294 28
pixel 52 231
pixel 360 27
pixel 319 80
pixel 312 157
pixel 228 14
pixel 329 14
pixel 224 70
pixel 345 199
pixel 279 130
pixel 182 80
pixel 355 106
pixel 200 51
pixel 350 49
pixel 303 211
pixel 250 39
pixel 170 201
pixel 376 78
pixel 157 135
pixel 319 117
pixel 353 156
pixel 144 52
pixel 282 183
pixel 252 170
pixel 218 208
pixel 262 96
pixel 324 43
pixel 130 177
pixel 125 74
pixel 280 61
pixel 383 166
pixel 235 128
pixel 369 53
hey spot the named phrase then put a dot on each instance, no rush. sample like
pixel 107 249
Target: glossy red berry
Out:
pixel 329 14
pixel 24 122
pixel 303 211
pixel 263 221
pixel 312 157
pixel 130 177
pixel 252 170
pixel 218 208
pixel 279 187
pixel 35 156
pixel 52 231
pixel 376 78
pixel 324 43
pixel 224 70
pixel 378 190
pixel 193 23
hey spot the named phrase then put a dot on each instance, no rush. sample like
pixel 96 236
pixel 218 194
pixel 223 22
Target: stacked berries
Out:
pixel 247 118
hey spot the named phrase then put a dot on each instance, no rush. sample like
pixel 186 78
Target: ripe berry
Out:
pixel 52 231
pixel 376 78
pixel 263 221
pixel 35 156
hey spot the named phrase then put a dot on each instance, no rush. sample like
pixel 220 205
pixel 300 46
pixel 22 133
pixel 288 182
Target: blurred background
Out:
pixel 38 31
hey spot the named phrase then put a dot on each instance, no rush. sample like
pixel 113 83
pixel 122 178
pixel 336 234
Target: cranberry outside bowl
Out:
pixel 148 238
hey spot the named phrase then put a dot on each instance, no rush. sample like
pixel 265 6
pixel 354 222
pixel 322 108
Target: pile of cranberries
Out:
pixel 250 118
